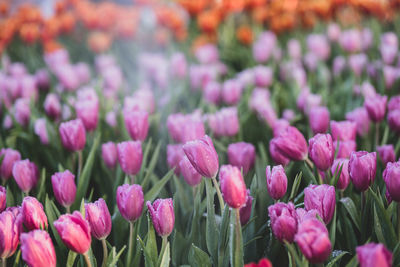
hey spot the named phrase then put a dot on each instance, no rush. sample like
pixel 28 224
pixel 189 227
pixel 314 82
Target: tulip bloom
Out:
pixel 233 187
pixel 343 130
pixel 130 201
pixel 394 120
pixel 73 135
pixel 361 118
pixel 321 151
pixel 291 144
pixel 276 181
pixel 345 148
pixel 283 221
pixel 41 130
pixel 109 154
pixel 33 215
pixel 10 156
pixel 372 254
pixel 313 240
pixel 344 178
pixel 386 153
pixel 9 234
pixel 163 216
pixel 189 173
pixel 74 231
pixel 391 176
pixel 3 198
pixel 52 106
pixel 87 110
pixel 376 107
pixel 321 198
pixel 26 174
pixel 362 169
pixel 242 155
pixel 319 119
pixel 201 153
pixel 245 211
pixel 137 124
pixel 276 155
pixel 174 156
pixel 64 187
pixel 99 218
pixel 130 156
pixel 37 249
pixel 22 111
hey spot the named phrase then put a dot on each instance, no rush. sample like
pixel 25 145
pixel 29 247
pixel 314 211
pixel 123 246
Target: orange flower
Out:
pixel 50 29
pixel 67 22
pixel 4 8
pixel 50 46
pixel 208 21
pixel 244 34
pixel 194 7
pixel 29 32
pixel 99 42
pixel 126 28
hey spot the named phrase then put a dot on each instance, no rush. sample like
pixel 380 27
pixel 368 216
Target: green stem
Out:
pixel 105 252
pixel 130 244
pixel 132 178
pixel 311 165
pixel 80 161
pixel 4 262
pixel 163 246
pixel 376 135
pixel 398 219
pixel 68 208
pixel 238 228
pixel 221 200
pixel 86 256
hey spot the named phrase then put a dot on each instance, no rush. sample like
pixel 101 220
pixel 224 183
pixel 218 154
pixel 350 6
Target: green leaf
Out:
pixel 51 216
pixel 211 225
pixel 10 197
pixel 113 259
pixel 166 257
pixel 42 186
pixel 151 242
pixel 353 262
pixel 296 185
pixel 332 232
pixel 198 257
pixel 236 241
pixel 83 182
pixel 352 211
pixel 71 258
pixel 149 169
pixel 336 255
pixel 293 253
pixel 156 188
pixel 223 241
pixel 396 255
pixel 147 256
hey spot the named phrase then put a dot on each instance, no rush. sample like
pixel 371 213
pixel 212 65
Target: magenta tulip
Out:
pixel 386 153
pixel 26 174
pixel 361 118
pixel 37 249
pixel 10 156
pixel 3 198
pixel 233 187
pixel 391 176
pixel 283 221
pixel 319 118
pixel 137 124
pixel 372 254
pixel 291 144
pixel 64 187
pixel 9 234
pixel 362 169
pixel 343 130
pixel 344 178
pixel 242 155
pixel 130 156
pixel 321 151
pixel 189 173
pixel 321 198
pixel 344 148
pixel 245 211
pixel 162 215
pixel 33 215
pixel 130 201
pixel 174 155
pixel 276 155
pixel 376 107
pixel 99 218
pixel 109 154
pixel 276 181
pixel 73 135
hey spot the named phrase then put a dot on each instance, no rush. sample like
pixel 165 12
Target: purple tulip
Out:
pixel 351 40
pixel 130 156
pixel 88 112
pixel 319 119
pixel 207 54
pixel 212 92
pixel 321 151
pixel 3 198
pixel 283 221
pixel 42 79
pixel 74 231
pixel 73 135
pixel 376 107
pixel 386 153
pixel 99 219
pixel 280 126
pixel 233 187
pixel 184 128
pixel 37 249
pixel 394 103
pixel 174 156
pixel 321 198
pixel 362 169
pixel 189 173
pixel 245 211
pixel 201 153
pixel 357 63
pixel 344 178
pixel 313 240
pixel 64 187
pixel 276 181
pixel 333 32
pixel 391 176
pixel 130 201
pixel 231 92
pixel 361 118
pixel 10 156
pixel 26 174
pixel 390 74
pixel 109 154
pixel 343 130
pixel 52 106
pixel 225 122
pixel 319 45
pixel 339 64
pixel 41 130
pixel 344 148
pixel 22 111
pixel 178 65
pixel 276 155
pixel 9 234
pixel 291 144
pixel 288 114
pixel 162 215
pixel 303 214
pixel 394 120
pixel 263 76
pixel 294 49
pixel 137 124
pixel 242 155
pixel 372 254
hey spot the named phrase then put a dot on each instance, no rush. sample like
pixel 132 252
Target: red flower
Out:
pixel 262 263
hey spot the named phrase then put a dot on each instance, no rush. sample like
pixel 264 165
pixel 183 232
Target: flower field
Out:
pixel 200 133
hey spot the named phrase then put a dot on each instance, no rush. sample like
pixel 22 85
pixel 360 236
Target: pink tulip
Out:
pixel 33 215
pixel 137 124
pixel 26 174
pixel 189 173
pixel 99 219
pixel 130 156
pixel 233 187
pixel 73 135
pixel 10 156
pixel 130 201
pixel 276 181
pixel 109 154
pixel 37 249
pixel 9 234
pixel 64 187
pixel 162 215
pixel 242 155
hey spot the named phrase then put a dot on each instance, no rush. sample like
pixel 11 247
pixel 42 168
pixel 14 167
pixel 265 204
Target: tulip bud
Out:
pixel 10 156
pixel 242 155
pixel 313 240
pixel 280 126
pixel 26 174
pixel 233 187
pixel 321 198
pixel 276 181
pixel 394 120
pixel 372 254
pixel 9 234
pixel 212 92
pixel 263 76
pixel 303 214
pixel 231 92
pixel 361 118
pixel 42 79
pixel 130 156
pixel 162 215
pixel 64 187
pixel 344 178
pixel 343 130
pixel 174 156
pixel 37 249
pixel 189 173
pixel 362 169
pixel 376 107
pixel 391 176
pixel 99 218
pixel 130 201
pixel 178 65
pixel 109 154
pixel 245 211
pixel 87 110
pixel 52 106
pixel 201 153
pixel 41 130
pixel 3 198
pixel 386 153
pixel 276 155
pixel 283 221
pixel 137 124
pixel 73 135
pixel 319 119
pixel 74 231
pixel 22 111
pixel 33 215
pixel 291 144
pixel 321 151
pixel 344 148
